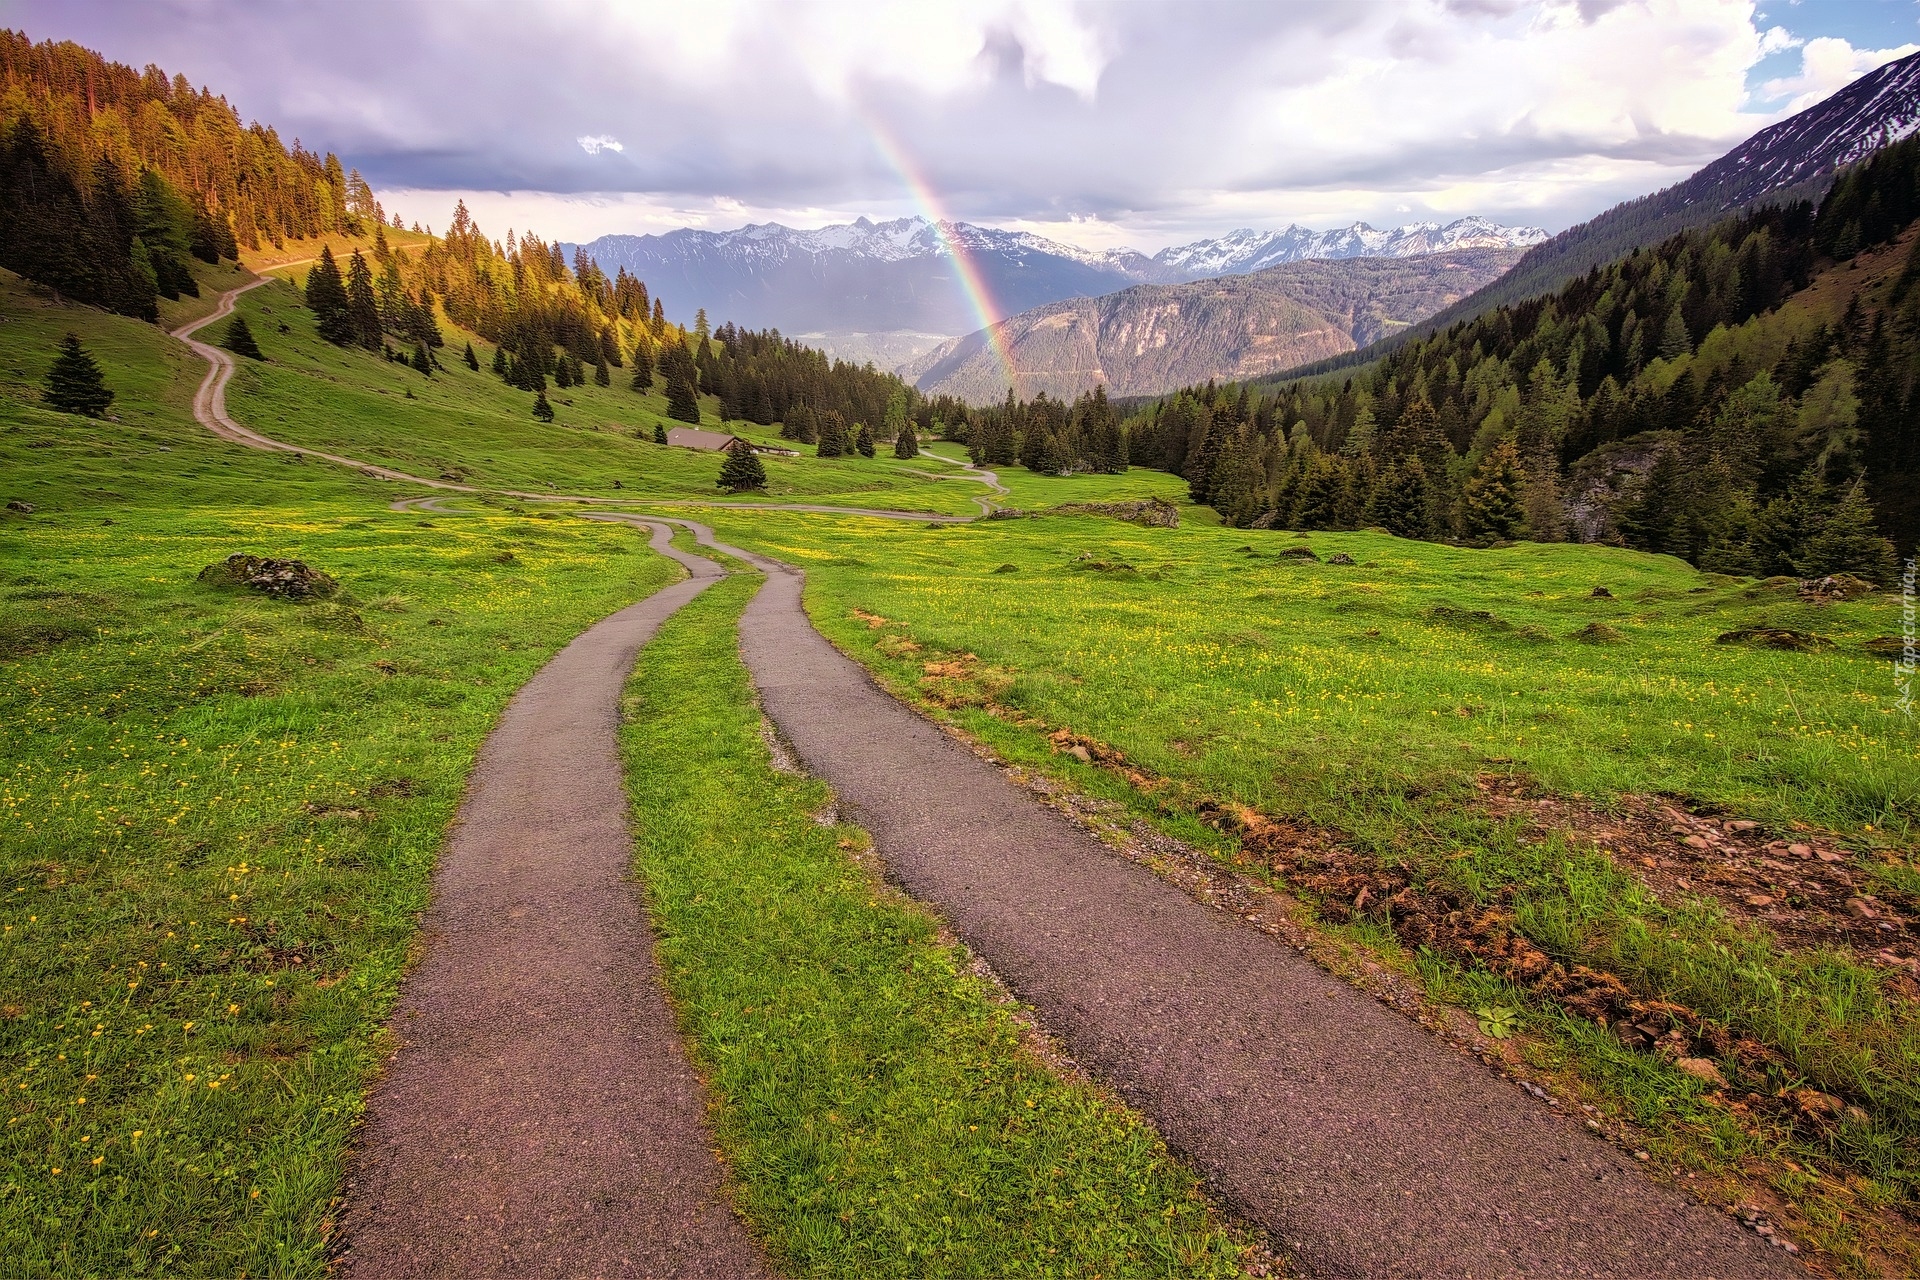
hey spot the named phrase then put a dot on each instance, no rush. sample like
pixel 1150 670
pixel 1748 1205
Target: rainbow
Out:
pixel 972 282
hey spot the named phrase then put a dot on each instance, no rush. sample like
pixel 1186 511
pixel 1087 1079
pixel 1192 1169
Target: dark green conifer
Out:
pixel 742 470
pixel 421 361
pixel 683 403
pixel 363 309
pixel 1490 504
pixel 601 378
pixel 239 339
pixel 499 365
pixel 642 369
pixel 563 374
pixel 1850 543
pixel 863 442
pixel 541 409
pixel 831 436
pixel 906 444
pixel 473 361
pixel 659 433
pixel 74 383
pixel 327 299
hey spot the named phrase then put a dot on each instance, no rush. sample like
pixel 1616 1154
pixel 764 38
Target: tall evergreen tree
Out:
pixel 1848 542
pixel 863 441
pixel 472 361
pixel 1491 501
pixel 499 365
pixel 742 470
pixel 327 299
pixel 239 339
pixel 659 433
pixel 683 402
pixel 832 434
pixel 363 309
pixel 421 361
pixel 906 444
pixel 74 382
pixel 601 378
pixel 541 409
pixel 642 369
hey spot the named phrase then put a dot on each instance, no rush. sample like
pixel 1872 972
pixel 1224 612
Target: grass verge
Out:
pixel 880 1112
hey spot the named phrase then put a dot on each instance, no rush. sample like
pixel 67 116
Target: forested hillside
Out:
pixel 1742 396
pixel 111 178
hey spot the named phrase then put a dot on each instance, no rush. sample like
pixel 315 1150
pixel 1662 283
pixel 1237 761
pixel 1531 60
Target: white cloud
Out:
pixel 594 144
pixel 1828 63
pixel 1777 39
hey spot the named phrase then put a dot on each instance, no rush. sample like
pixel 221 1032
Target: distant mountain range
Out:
pixel 1793 160
pixel 876 278
pixel 1153 338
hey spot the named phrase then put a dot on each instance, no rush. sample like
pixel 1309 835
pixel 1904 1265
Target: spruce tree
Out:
pixel 362 307
pixel 541 409
pixel 563 375
pixel 1674 339
pixel 74 384
pixel 1491 501
pixel 499 365
pixel 832 437
pixel 659 433
pixel 683 404
pixel 601 378
pixel 239 339
pixel 1849 543
pixel 642 369
pixel 906 444
pixel 863 442
pixel 473 361
pixel 327 299
pixel 421 361
pixel 742 470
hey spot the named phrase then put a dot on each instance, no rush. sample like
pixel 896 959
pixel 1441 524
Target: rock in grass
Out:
pixel 1703 1070
pixel 1538 635
pixel 1298 553
pixel 1599 593
pixel 1339 557
pixel 281 579
pixel 1152 513
pixel 1008 568
pixel 1598 633
pixel 1774 638
pixel 1835 587
pixel 1887 646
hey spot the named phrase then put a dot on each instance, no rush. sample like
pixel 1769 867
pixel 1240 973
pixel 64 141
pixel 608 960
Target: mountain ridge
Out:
pixel 900 275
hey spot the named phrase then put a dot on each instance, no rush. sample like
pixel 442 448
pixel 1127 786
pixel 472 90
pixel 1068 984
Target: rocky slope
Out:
pixel 1153 338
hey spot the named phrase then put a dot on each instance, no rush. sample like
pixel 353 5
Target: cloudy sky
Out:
pixel 1140 123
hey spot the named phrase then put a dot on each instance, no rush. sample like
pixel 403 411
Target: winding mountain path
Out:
pixel 540 1117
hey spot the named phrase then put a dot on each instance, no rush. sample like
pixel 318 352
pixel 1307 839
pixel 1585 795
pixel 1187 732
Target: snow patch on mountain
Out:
pixel 1247 250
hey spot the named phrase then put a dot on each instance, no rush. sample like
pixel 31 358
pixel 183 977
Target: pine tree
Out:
pixel 362 307
pixel 601 378
pixel 863 442
pixel 1849 543
pixel 642 369
pixel 683 403
pixel 1401 499
pixel 239 339
pixel 906 444
pixel 659 433
pixel 658 326
pixel 832 436
pixel 421 361
pixel 327 299
pixel 74 383
pixel 1674 339
pixel 541 409
pixel 473 361
pixel 499 365
pixel 742 470
pixel 563 375
pixel 1491 502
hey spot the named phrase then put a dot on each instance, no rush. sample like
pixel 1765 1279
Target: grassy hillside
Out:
pixel 1474 732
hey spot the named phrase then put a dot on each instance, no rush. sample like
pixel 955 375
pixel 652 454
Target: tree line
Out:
pixel 1676 400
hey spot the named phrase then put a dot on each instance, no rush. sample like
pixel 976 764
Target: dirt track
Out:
pixel 540 1117
pixel 542 1120
pixel 1355 1139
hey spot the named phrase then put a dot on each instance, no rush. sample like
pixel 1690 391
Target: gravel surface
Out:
pixel 540 1117
pixel 1363 1146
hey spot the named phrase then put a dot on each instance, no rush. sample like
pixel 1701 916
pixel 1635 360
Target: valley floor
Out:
pixel 1665 882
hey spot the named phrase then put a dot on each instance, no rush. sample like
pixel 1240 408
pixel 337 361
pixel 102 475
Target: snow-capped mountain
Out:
pixel 875 277
pixel 1242 251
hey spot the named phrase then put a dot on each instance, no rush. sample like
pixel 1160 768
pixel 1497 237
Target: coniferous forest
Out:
pixel 1686 399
